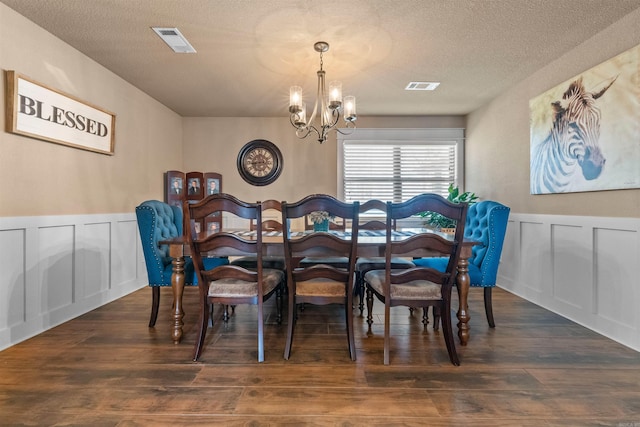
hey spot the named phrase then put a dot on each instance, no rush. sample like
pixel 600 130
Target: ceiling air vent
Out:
pixel 174 38
pixel 422 86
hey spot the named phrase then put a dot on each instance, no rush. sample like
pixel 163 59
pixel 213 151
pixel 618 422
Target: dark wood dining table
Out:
pixel 371 243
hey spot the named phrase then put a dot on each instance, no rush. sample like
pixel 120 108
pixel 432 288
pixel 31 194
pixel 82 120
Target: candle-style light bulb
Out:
pixel 350 108
pixel 295 99
pixel 335 94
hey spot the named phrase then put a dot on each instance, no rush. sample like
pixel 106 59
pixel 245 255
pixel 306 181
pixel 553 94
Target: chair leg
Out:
pixel 348 312
pixel 359 291
pixel 291 318
pixel 202 332
pixel 436 318
pixel 279 292
pixel 448 334
pixel 387 332
pixel 488 307
pixel 225 315
pixel 260 332
pixel 369 310
pixel 361 297
pixel 425 316
pixel 155 304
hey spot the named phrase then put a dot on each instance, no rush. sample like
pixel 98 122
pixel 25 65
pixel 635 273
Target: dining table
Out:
pixel 371 243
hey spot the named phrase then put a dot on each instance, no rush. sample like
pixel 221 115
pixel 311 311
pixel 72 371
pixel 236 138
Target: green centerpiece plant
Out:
pixel 320 220
pixel 442 223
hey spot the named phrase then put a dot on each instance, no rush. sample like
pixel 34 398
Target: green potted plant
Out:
pixel 442 223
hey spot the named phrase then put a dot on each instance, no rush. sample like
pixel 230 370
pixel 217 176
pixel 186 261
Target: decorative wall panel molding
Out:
pixel 586 269
pixel 59 267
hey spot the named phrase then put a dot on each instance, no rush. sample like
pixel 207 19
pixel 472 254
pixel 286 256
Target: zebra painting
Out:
pixel 572 142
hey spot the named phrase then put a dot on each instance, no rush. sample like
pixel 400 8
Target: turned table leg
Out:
pixel 177 286
pixel 463 282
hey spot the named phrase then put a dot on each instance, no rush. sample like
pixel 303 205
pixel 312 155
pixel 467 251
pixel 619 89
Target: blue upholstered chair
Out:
pixel 159 221
pixel 487 224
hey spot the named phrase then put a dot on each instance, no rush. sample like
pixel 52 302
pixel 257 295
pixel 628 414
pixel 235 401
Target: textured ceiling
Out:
pixel 251 51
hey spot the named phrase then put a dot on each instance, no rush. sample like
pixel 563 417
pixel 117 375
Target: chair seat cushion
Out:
pixel 440 264
pixel 378 263
pixel 422 289
pixel 240 288
pixel 248 262
pixel 320 287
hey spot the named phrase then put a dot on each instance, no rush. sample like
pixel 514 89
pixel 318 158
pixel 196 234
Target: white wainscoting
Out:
pixel 586 269
pixel 56 268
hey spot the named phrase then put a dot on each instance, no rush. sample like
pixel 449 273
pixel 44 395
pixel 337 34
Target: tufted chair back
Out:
pixel 159 221
pixel 486 223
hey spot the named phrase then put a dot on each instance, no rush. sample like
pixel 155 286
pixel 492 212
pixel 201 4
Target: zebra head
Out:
pixel 577 122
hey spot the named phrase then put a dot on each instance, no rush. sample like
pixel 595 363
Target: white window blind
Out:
pixel 398 169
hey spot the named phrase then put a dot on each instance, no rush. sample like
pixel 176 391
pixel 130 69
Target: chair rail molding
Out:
pixel 583 268
pixel 55 268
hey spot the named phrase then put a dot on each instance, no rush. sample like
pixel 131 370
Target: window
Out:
pixel 397 164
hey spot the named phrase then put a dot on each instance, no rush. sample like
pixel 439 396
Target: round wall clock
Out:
pixel 259 162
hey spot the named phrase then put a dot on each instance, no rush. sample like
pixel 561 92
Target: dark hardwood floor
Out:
pixel 107 368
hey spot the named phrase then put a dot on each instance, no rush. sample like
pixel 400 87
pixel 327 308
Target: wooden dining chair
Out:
pixel 320 284
pixel 364 264
pixel 268 261
pixel 335 224
pixel 418 286
pixel 230 284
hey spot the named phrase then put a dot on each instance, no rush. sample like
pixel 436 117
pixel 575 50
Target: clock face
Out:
pixel 259 162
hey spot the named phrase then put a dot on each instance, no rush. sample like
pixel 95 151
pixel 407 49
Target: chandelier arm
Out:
pixel 308 130
pixel 303 132
pixel 335 115
pixel 319 99
pixel 348 130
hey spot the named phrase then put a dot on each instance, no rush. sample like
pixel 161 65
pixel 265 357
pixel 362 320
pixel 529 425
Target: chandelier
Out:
pixel 328 107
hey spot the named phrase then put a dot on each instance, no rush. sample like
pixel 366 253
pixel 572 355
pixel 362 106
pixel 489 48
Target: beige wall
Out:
pixel 41 178
pixel 212 145
pixel 151 139
pixel 497 149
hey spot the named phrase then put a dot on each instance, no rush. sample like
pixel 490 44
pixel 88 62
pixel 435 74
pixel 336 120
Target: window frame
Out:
pixel 425 136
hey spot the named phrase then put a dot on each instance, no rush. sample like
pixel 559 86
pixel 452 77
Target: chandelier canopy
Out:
pixel 328 107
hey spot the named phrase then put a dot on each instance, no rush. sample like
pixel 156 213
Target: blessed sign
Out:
pixel 40 112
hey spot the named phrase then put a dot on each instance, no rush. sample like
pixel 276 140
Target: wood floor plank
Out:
pixel 547 404
pixel 450 378
pixel 329 401
pixel 294 375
